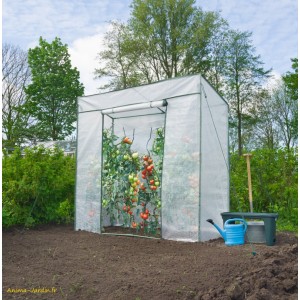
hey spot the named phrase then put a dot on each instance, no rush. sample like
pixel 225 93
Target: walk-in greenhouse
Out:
pixel 153 160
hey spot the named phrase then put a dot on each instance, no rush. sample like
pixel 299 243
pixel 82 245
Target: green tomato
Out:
pixel 130 177
pixel 135 155
pixel 126 157
pixel 117 152
pixel 156 183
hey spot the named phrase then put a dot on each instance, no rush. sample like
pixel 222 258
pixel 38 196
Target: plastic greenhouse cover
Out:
pixel 156 91
pixel 195 179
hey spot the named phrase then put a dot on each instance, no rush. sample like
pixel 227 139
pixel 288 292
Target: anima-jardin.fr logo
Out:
pixel 32 290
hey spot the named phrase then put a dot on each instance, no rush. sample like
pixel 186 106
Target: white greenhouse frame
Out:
pixel 196 130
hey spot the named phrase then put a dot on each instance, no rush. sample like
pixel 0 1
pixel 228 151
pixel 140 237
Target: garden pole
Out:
pixel 248 156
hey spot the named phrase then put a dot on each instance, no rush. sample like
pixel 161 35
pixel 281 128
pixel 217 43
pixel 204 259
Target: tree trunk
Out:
pixel 240 145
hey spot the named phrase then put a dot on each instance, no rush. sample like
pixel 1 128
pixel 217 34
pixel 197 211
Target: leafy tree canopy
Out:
pixel 162 39
pixel 291 79
pixel 53 92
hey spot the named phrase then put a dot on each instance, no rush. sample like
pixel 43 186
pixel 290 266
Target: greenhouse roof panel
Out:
pixel 146 93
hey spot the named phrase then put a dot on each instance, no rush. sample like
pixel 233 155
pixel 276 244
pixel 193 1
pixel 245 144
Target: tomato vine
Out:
pixel 131 182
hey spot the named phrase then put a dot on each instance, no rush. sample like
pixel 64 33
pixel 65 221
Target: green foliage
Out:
pixel 128 189
pixel 53 92
pixel 274 183
pixel 120 58
pixel 291 82
pixel 162 39
pixel 244 75
pixel 37 187
pixel 65 211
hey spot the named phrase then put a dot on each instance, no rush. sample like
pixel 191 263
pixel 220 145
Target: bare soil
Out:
pixel 56 262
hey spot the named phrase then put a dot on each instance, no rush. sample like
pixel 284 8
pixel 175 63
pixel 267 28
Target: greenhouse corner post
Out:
pixel 76 169
pixel 228 158
pixel 200 158
pixel 162 173
pixel 101 181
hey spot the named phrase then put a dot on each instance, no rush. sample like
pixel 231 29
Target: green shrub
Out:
pixel 35 186
pixel 65 211
pixel 274 183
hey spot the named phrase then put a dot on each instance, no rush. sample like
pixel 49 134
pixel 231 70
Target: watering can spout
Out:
pixel 222 232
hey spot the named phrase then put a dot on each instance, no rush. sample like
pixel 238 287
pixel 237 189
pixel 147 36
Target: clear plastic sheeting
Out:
pixel 181 170
pixel 88 172
pixel 214 188
pixel 195 176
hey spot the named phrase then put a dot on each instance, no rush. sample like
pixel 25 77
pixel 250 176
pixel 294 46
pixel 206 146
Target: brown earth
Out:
pixel 56 262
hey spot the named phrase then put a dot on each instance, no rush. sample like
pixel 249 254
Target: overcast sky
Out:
pixel 82 23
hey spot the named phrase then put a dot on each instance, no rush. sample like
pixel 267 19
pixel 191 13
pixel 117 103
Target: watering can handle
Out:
pixel 237 219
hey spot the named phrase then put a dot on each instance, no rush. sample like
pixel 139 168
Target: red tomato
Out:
pixel 143 176
pixel 144 172
pixel 149 168
pixel 145 157
pixel 151 181
pixel 153 187
pixel 127 140
pixel 130 212
pixel 144 216
pixel 147 211
pixel 133 225
pixel 150 161
pixel 125 208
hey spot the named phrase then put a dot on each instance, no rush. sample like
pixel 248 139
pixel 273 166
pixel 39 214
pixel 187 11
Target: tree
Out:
pixel 15 77
pixel 119 58
pixel 162 39
pixel 206 54
pixel 291 79
pixel 53 92
pixel 166 28
pixel 291 82
pixel 283 110
pixel 265 132
pixel 244 75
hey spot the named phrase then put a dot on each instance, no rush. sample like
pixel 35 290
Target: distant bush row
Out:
pixel 37 187
pixel 274 183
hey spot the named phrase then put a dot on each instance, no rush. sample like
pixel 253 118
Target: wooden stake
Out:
pixel 248 156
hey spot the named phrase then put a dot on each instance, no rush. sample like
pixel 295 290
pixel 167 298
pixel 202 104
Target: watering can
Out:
pixel 233 234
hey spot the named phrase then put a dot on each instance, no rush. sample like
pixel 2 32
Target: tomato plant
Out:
pixel 131 182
